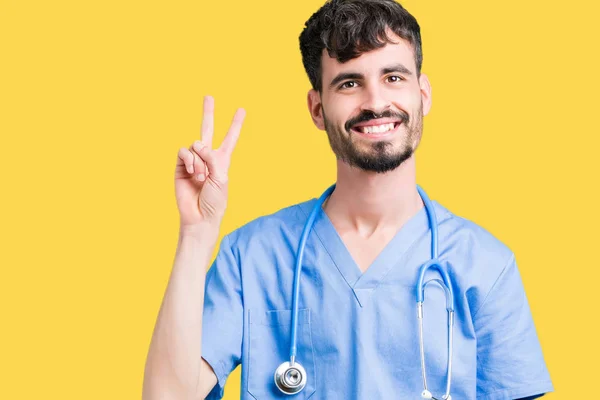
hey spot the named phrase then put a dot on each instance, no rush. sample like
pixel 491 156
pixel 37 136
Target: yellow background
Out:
pixel 96 97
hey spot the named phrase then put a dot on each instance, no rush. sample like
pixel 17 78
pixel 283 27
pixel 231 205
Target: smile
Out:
pixel 377 131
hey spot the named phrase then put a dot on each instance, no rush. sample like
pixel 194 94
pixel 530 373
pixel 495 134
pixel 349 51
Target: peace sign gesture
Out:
pixel 201 172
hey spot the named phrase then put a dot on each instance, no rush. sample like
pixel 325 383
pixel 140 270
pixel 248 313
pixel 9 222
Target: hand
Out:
pixel 201 173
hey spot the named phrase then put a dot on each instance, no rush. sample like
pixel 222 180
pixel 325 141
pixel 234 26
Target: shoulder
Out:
pixel 470 235
pixel 478 260
pixel 285 222
pixel 477 257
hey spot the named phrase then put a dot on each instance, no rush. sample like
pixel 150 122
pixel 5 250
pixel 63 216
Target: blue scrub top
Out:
pixel 358 332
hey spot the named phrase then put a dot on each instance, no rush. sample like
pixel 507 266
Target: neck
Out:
pixel 367 202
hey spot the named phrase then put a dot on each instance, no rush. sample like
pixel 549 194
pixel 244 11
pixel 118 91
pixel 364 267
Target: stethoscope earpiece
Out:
pixel 290 378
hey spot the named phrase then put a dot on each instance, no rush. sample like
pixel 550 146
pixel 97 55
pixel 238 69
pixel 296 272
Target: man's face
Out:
pixel 372 106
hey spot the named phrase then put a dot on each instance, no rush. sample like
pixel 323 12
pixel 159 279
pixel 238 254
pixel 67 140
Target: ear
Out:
pixel 425 93
pixel 315 108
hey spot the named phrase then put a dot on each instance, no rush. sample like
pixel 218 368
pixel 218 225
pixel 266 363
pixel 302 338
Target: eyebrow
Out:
pixel 355 75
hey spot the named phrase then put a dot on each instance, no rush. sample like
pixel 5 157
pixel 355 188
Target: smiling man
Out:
pixel 369 242
pixel 374 103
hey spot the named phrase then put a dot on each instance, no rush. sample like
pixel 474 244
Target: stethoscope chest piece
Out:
pixel 290 379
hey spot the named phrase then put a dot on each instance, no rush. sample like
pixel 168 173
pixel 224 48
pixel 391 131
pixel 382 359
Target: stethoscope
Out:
pixel 290 376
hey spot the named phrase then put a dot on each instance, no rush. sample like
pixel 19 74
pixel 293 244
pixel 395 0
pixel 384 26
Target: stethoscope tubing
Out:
pixel 300 254
pixel 433 263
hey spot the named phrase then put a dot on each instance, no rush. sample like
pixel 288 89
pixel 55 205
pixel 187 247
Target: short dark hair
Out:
pixel 348 28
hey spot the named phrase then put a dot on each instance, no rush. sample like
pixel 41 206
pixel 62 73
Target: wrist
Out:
pixel 203 230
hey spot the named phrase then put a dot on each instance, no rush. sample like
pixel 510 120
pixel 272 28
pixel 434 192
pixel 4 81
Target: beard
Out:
pixel 380 155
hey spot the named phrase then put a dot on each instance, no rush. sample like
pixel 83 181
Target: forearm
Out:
pixel 173 361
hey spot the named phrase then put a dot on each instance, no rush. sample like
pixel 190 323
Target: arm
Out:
pixel 174 366
pixel 510 362
pixel 174 369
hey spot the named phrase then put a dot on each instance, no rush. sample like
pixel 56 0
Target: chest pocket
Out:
pixel 270 346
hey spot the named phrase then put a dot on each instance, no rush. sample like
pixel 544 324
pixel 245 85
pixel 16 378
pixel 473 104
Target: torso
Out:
pixel 351 323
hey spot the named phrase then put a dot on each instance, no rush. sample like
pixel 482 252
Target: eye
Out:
pixel 347 85
pixel 395 78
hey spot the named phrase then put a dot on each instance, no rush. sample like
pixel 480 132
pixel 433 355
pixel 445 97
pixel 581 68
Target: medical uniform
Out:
pixel 358 332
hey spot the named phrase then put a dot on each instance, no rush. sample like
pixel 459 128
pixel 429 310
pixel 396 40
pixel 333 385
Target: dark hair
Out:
pixel 348 28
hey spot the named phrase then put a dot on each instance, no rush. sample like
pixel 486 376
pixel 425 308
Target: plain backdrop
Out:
pixel 97 97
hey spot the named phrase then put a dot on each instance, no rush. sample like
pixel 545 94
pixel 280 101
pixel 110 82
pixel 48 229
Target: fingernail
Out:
pixel 190 168
pixel 198 145
pixel 200 177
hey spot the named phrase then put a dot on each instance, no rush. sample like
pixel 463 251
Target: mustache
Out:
pixel 370 115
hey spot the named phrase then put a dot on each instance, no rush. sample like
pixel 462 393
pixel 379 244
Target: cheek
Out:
pixel 341 106
pixel 409 97
pixel 335 116
pixel 408 103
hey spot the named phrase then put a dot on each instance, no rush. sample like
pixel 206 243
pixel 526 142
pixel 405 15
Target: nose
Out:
pixel 375 100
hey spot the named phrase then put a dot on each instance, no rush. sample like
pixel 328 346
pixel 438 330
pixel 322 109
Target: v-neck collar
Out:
pixel 364 283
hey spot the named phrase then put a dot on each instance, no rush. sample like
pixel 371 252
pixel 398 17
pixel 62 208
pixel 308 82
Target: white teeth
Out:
pixel 378 128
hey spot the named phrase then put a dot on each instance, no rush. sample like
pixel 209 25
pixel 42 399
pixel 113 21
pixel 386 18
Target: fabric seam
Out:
pixel 483 303
pixel 524 390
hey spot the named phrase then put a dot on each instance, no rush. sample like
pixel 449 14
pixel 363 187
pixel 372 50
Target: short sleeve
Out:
pixel 222 320
pixel 510 363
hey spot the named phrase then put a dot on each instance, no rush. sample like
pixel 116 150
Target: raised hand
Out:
pixel 201 174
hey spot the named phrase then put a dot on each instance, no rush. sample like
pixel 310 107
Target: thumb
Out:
pixel 216 171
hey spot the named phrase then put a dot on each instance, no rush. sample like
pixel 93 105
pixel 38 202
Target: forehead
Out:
pixel 401 51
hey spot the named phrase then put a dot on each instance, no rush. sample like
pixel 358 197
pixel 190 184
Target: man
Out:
pixel 357 331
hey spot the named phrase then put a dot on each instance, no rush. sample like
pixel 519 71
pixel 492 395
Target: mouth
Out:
pixel 377 131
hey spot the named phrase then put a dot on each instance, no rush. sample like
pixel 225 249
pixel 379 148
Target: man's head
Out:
pixel 363 58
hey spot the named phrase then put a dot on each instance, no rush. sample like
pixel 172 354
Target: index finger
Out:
pixel 234 131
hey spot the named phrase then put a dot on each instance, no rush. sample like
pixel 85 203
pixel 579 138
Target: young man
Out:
pixel 358 335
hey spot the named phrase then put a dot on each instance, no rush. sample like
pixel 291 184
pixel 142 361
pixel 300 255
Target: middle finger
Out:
pixel 208 119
